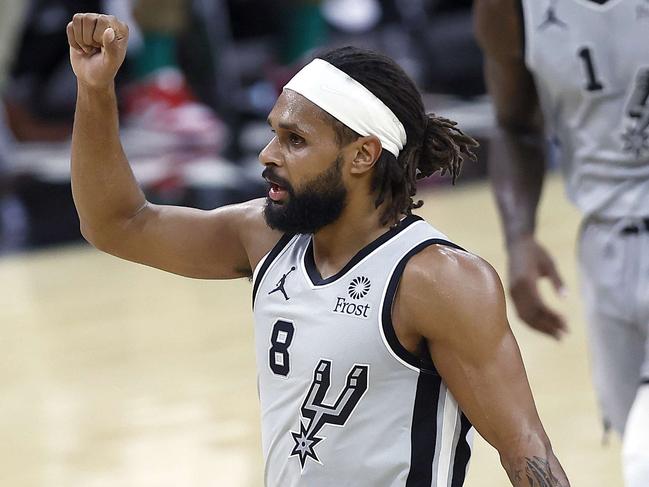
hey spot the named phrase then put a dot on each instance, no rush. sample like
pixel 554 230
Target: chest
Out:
pixel 297 322
pixel 581 49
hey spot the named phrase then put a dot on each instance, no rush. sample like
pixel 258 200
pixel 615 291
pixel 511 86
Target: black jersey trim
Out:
pixel 600 5
pixel 523 35
pixel 312 270
pixel 462 453
pixel 270 257
pixel 423 362
pixel 423 436
pixel 645 381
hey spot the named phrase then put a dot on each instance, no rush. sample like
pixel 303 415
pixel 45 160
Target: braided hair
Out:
pixel 434 143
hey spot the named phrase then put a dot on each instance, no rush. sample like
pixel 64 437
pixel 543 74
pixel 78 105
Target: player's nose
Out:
pixel 270 155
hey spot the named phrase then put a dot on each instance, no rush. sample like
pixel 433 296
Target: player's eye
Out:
pixel 295 139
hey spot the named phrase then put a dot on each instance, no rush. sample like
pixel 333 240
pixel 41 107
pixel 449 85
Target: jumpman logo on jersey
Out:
pixel 320 414
pixel 280 285
pixel 551 17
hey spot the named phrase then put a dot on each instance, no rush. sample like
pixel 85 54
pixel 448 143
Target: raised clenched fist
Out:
pixel 97 48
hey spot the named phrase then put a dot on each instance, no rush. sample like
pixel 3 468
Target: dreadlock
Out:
pixel 434 143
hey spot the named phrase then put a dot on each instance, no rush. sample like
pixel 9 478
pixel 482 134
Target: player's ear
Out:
pixel 366 151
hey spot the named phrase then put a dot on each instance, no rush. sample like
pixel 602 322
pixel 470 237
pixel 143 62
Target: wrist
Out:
pixel 519 238
pixel 95 90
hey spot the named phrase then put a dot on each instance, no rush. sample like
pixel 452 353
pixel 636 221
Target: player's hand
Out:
pixel 528 263
pixel 97 48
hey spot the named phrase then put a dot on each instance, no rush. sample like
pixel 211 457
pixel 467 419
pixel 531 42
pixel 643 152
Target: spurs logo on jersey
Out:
pixel 636 136
pixel 317 414
pixel 357 289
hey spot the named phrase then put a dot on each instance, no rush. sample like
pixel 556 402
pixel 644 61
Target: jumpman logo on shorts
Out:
pixel 280 285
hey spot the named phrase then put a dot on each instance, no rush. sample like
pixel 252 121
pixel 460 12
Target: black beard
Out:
pixel 318 204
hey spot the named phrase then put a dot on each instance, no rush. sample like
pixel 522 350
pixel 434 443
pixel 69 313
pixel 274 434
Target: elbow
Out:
pixel 97 239
pixel 90 235
pixel 112 235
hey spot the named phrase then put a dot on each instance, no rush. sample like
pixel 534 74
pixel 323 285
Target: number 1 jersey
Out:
pixel 590 62
pixel 342 402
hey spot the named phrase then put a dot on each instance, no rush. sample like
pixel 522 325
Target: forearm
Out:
pixel 516 171
pixel 105 191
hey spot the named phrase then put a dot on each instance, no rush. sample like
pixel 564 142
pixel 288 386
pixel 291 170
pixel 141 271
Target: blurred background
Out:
pixel 113 374
pixel 198 83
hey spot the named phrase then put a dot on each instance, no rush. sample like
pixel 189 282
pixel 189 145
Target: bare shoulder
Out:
pixel 463 289
pixel 248 214
pixel 439 267
pixel 256 236
pixel 498 29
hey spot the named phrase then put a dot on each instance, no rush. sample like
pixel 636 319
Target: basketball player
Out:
pixel 379 343
pixel 585 65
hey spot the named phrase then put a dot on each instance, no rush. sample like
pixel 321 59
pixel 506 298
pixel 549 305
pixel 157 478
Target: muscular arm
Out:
pixel 114 214
pixel 477 356
pixel 517 159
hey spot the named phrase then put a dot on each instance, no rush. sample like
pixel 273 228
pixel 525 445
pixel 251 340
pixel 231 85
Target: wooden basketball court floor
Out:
pixel 113 374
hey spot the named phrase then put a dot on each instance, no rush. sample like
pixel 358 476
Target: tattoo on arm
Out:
pixel 538 474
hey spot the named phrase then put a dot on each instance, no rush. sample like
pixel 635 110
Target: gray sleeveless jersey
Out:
pixel 590 62
pixel 342 402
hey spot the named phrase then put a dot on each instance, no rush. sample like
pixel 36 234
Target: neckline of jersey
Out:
pixel 312 269
pixel 599 5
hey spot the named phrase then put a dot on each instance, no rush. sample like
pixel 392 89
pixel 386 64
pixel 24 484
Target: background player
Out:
pixel 585 65
pixel 354 193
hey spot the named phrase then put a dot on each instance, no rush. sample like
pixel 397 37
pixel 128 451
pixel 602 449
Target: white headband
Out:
pixel 345 99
